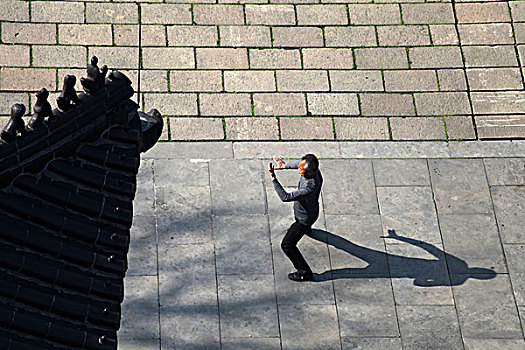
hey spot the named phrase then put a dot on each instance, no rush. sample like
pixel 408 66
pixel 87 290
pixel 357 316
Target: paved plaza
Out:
pixel 418 246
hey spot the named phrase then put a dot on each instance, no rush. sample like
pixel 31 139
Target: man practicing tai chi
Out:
pixel 306 209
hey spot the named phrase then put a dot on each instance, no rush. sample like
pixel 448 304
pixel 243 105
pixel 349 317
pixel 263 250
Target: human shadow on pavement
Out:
pixel 425 272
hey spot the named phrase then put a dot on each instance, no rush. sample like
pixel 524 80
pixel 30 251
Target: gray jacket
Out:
pixel 306 197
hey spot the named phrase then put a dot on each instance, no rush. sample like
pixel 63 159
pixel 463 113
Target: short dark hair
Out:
pixel 312 163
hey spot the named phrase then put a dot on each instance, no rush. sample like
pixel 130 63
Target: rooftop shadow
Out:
pixel 425 272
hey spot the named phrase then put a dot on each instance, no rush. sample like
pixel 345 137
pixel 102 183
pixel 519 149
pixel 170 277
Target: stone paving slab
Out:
pixel 394 266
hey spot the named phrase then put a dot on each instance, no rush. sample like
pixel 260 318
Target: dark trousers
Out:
pixel 289 246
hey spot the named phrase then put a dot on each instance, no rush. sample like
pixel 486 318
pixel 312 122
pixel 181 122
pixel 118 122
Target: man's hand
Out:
pixel 271 169
pixel 280 162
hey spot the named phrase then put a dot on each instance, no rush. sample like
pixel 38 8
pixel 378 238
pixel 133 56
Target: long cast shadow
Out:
pixel 425 272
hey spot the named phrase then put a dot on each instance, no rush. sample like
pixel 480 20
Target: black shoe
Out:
pixel 301 277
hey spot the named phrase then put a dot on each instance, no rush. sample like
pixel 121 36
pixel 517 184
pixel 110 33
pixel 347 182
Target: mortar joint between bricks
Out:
pixel 515 42
pixel 445 126
pixel 456 25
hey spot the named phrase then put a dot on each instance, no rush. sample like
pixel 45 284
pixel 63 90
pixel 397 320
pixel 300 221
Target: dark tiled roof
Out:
pixel 66 193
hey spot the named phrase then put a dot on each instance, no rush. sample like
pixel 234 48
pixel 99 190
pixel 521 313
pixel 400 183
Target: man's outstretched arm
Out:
pixel 292 196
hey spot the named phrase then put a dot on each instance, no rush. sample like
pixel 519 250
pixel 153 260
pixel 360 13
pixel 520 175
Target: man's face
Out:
pixel 303 172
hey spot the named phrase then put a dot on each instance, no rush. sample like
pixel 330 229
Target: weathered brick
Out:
pixel 302 80
pixel 218 14
pixel 237 1
pixel 494 127
pixel 519 33
pixel 500 102
pixel 435 57
pixel 3 121
pixel 521 53
pixel 494 79
pixel 250 128
pixel 482 12
pixel 11 10
pixel 270 14
pixel 7 99
pixel 352 80
pixel 153 81
pixel 29 33
pixel 14 55
pixel 304 128
pixel 27 79
pixel 452 80
pixel 84 34
pixel 517 9
pixel 112 13
pixel 444 34
pixel 191 1
pixel 196 80
pixel 427 13
pixel 328 58
pixel 490 56
pixel 403 35
pixel 350 36
pixel 332 104
pixel 274 58
pixel 165 14
pixel 410 80
pixel 378 58
pixel 152 35
pixel 225 104
pixel 164 135
pixel 361 128
pixel 284 1
pixel 489 34
pixel 196 129
pixel 59 56
pixel 460 127
pixel 116 57
pixel 167 58
pixel 126 34
pixel 279 104
pixel 374 14
pixel 57 12
pixel 387 104
pixel 192 36
pixel 297 37
pixel 321 14
pixel 417 128
pixel 442 103
pixel 245 36
pixel 222 58
pixel 172 104
pixel 244 81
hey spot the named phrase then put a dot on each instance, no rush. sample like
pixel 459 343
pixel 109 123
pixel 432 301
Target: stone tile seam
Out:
pixel 443 245
pixel 267 214
pixel 156 250
pixel 512 287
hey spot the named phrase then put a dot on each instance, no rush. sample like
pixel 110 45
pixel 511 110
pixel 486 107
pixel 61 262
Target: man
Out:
pixel 306 209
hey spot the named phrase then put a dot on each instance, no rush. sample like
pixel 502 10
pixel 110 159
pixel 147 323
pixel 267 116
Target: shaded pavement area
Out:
pixel 418 246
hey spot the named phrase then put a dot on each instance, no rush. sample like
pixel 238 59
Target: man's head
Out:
pixel 308 166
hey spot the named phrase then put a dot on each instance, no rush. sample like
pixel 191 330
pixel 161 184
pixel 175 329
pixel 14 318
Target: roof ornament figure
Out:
pixel 152 125
pixel 15 124
pixel 42 110
pixel 68 98
pixel 95 77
